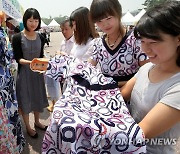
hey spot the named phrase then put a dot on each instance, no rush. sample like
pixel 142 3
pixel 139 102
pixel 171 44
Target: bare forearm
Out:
pixel 121 83
pixel 24 61
pixel 127 89
pixel 160 119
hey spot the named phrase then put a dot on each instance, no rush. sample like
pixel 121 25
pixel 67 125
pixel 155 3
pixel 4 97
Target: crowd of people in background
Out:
pixel 141 62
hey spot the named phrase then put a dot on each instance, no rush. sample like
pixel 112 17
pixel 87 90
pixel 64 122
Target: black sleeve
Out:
pixel 42 45
pixel 16 45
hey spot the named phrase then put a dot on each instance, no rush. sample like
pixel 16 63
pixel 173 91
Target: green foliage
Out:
pixel 46 20
pixel 151 3
pixel 58 19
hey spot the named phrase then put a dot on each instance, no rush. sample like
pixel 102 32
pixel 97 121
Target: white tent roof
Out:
pixel 139 15
pixel 53 23
pixel 128 19
pixel 43 24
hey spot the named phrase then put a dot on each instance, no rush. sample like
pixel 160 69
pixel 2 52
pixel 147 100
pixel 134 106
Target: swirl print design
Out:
pixel 123 61
pixel 91 117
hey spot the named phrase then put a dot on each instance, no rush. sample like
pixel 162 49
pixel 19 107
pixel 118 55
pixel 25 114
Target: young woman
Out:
pixel 30 89
pixel 84 33
pixel 117 52
pixel 154 92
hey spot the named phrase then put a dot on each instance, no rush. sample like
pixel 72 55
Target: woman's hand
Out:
pixel 61 53
pixel 39 65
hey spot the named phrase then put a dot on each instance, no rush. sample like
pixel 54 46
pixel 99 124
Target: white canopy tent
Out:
pixel 43 24
pixel 53 23
pixel 54 26
pixel 128 19
pixel 139 15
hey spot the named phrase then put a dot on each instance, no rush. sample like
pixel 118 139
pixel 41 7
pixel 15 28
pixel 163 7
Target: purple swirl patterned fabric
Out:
pixel 91 117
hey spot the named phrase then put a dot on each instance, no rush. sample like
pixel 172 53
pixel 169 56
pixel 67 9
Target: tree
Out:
pixel 46 20
pixel 152 3
pixel 58 19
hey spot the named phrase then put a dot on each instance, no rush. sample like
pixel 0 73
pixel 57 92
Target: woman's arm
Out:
pixel 127 89
pixel 161 118
pixel 24 61
pixel 121 83
pixel 16 45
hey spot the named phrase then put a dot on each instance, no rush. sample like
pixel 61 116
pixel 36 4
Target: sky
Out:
pixel 56 8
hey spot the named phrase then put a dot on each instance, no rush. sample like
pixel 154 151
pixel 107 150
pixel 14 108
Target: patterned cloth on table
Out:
pixel 91 116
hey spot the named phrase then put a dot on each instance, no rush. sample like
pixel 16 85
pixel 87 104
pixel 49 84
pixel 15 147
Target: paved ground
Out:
pixel 33 146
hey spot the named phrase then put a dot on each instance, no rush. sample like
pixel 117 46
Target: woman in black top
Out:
pixel 30 87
